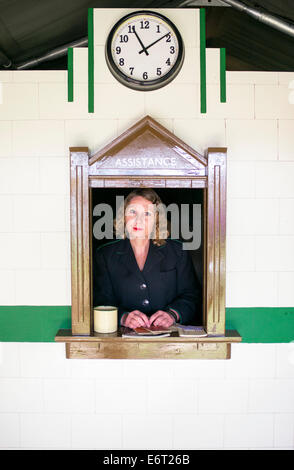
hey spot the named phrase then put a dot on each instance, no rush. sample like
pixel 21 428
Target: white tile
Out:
pixel 96 431
pixel 284 430
pixel 53 102
pixel 34 76
pixel 38 138
pixel 271 395
pixel 281 249
pixel 7 282
pixel 245 139
pixel 285 360
pixel 45 431
pixel 43 360
pixel 225 396
pixel 198 369
pixel 286 222
pixel 239 102
pixel 261 78
pixel 198 431
pixel 285 289
pixel 9 359
pixel 5 138
pixel 174 100
pixel 240 253
pixel 212 66
pixel 21 395
pixel 6 211
pixel 20 250
pixel 9 430
pixel 273 102
pixel 285 77
pixel 201 134
pixel 254 431
pixel 69 396
pixel 274 179
pixel 20 101
pixel 249 216
pixel 57 170
pixel 42 287
pixel 148 367
pixel 151 431
pixel 80 65
pixel 93 134
pixel 166 395
pixel 55 250
pixel 251 360
pixel 6 76
pixel 124 102
pixel 19 175
pixel 40 213
pixel 102 73
pixel 190 71
pixel 286 139
pixel 87 368
pixel 129 397
pixel 251 289
pixel 240 179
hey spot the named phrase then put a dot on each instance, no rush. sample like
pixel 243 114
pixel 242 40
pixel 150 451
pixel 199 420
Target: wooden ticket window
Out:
pixel 129 162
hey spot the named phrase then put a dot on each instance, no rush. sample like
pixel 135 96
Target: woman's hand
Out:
pixel 135 319
pixel 161 318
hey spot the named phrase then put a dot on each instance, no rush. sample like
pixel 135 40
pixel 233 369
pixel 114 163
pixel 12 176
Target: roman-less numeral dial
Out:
pixel 144 50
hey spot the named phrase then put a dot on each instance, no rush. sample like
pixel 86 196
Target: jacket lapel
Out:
pixel 127 257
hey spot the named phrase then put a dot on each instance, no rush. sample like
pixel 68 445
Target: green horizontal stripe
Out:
pixel 40 324
pixel 32 323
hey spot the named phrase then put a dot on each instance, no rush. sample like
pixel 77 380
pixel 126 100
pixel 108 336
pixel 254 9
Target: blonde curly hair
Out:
pixel 161 229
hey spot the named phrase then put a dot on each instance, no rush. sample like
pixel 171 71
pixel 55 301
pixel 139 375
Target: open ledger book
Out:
pixel 159 332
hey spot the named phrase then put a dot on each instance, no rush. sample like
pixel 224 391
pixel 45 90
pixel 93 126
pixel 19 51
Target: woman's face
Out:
pixel 139 217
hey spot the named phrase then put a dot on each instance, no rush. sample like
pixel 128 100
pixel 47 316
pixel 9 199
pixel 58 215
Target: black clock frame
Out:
pixel 136 84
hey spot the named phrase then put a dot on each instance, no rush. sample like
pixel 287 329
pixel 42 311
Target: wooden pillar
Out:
pixel 216 240
pixel 80 247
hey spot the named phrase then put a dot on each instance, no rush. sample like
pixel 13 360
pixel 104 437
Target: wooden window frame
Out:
pixel 192 170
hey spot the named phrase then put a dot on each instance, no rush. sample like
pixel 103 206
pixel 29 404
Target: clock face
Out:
pixel 144 50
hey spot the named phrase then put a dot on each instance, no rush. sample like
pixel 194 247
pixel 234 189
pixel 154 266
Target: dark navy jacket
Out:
pixel 167 280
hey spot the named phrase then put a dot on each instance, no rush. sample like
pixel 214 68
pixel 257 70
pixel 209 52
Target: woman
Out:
pixel 149 277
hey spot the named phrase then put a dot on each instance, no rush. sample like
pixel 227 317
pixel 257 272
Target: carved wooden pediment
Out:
pixel 147 148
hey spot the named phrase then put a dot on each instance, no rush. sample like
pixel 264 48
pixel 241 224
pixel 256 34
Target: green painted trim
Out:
pixel 202 61
pixel 32 323
pixel 70 91
pixel 41 323
pixel 223 97
pixel 262 324
pixel 90 61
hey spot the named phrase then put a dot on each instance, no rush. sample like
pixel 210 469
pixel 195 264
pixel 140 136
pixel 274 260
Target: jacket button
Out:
pixel 145 302
pixel 143 286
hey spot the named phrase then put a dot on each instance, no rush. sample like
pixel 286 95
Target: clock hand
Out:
pixel 137 36
pixel 152 44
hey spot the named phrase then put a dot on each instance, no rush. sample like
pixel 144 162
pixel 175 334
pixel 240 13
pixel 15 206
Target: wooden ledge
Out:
pixel 114 346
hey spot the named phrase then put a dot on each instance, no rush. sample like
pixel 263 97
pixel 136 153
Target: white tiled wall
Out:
pixel 48 401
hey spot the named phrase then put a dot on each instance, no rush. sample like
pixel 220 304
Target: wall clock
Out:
pixel 144 50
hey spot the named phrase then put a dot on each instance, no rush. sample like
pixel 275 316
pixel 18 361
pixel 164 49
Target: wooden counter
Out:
pixel 114 346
